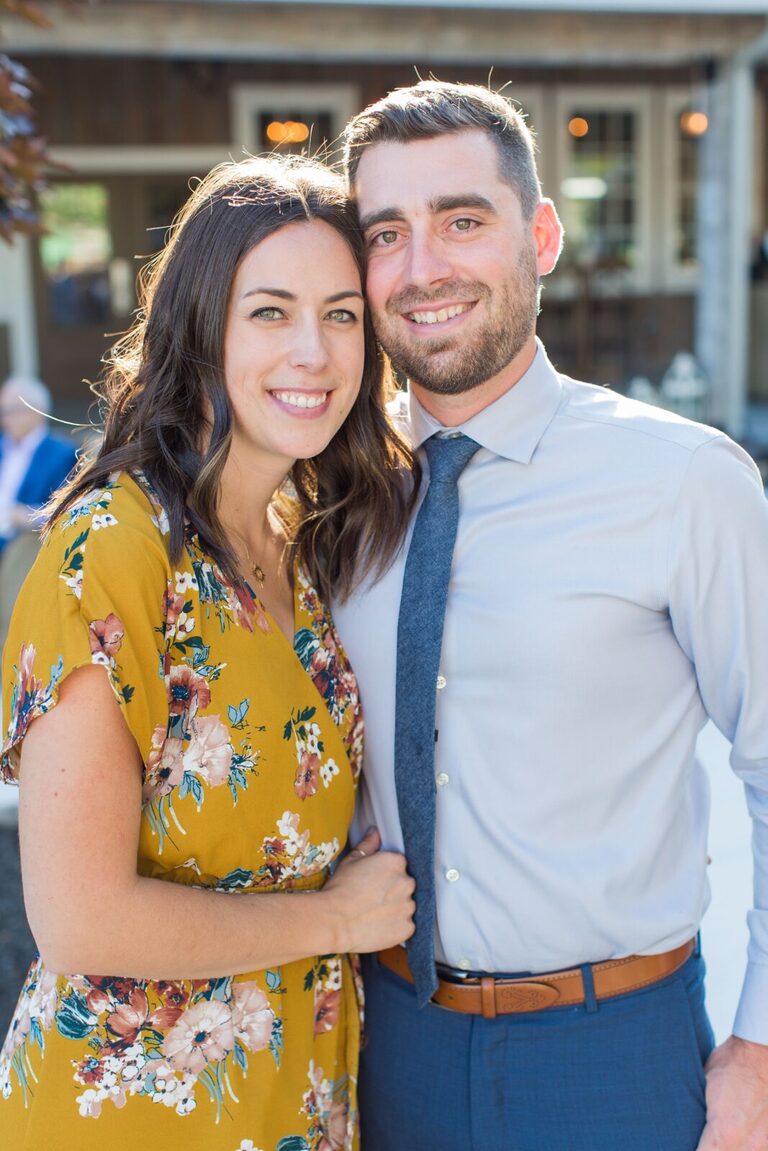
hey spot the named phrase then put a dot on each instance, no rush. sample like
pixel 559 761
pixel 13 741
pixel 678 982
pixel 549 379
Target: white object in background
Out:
pixel 641 388
pixel 685 388
pixel 9 805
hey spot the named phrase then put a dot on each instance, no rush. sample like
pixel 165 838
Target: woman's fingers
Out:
pixel 368 845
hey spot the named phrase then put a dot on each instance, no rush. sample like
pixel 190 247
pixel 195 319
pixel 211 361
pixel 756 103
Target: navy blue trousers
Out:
pixel 624 1074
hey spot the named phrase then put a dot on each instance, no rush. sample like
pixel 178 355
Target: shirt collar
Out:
pixel 511 426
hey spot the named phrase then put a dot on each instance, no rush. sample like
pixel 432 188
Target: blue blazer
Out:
pixel 50 465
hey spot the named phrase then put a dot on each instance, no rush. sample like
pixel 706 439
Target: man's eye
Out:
pixel 385 238
pixel 464 224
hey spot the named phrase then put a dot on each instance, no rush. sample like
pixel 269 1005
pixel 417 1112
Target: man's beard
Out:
pixel 449 365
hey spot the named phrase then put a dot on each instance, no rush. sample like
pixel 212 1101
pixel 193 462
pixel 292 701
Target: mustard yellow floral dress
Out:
pixel 252 748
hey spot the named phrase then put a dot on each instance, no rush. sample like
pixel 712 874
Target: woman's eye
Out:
pixel 267 314
pixel 342 316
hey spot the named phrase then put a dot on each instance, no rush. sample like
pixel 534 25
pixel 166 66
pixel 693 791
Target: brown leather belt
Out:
pixel 491 997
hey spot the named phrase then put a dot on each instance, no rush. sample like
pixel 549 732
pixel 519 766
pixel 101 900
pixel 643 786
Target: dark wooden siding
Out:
pixel 87 100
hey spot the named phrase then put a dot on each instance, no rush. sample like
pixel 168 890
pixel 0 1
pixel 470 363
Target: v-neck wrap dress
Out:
pixel 251 748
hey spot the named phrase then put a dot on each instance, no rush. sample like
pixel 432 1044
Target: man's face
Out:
pixel 453 273
pixel 17 419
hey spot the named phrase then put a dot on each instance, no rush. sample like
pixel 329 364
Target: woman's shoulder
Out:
pixel 124 501
pixel 119 527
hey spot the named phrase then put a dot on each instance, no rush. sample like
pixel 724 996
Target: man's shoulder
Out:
pixel 52 442
pixel 613 414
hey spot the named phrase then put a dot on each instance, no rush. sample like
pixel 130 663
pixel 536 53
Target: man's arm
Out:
pixel 719 610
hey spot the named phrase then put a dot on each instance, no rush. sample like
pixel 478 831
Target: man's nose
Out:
pixel 308 347
pixel 427 262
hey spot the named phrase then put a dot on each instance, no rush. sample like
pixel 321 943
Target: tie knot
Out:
pixel 448 456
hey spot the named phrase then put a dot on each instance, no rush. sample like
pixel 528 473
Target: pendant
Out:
pixel 258 573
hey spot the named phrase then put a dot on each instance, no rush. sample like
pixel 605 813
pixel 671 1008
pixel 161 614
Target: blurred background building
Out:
pixel 653 139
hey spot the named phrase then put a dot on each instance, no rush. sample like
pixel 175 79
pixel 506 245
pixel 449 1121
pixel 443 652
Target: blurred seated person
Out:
pixel 33 462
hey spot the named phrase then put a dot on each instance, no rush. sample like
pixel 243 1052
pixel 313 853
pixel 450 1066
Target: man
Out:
pixel 533 750
pixel 32 465
pixel 32 461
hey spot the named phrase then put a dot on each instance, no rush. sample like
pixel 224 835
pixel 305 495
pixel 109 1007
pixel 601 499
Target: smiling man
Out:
pixel 583 586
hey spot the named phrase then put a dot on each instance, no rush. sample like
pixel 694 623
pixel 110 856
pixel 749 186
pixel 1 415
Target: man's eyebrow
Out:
pixel 382 216
pixel 462 200
pixel 435 207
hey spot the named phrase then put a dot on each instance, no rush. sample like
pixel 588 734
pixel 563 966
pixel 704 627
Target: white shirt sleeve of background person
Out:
pixel 719 612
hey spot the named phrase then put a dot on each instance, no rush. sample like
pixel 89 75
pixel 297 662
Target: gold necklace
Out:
pixel 256 569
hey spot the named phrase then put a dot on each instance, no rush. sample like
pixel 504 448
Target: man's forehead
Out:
pixel 424 172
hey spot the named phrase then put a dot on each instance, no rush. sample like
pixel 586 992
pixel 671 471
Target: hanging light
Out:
pixel 694 122
pixel 287 132
pixel 578 126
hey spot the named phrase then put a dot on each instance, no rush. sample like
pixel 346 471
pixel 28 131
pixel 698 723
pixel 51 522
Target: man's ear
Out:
pixel 548 236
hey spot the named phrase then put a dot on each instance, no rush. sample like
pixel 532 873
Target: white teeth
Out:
pixel 438 317
pixel 301 399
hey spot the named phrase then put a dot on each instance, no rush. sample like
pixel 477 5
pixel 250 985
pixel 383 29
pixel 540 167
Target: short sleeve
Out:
pixel 95 595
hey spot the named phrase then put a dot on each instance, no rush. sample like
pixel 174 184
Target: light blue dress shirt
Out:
pixel 609 593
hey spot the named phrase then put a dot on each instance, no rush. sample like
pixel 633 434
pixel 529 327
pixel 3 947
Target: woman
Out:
pixel 222 746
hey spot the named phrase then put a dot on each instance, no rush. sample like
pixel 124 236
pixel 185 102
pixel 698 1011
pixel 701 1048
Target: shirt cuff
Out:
pixel 752 1013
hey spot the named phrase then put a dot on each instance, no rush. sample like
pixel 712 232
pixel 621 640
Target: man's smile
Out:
pixel 448 312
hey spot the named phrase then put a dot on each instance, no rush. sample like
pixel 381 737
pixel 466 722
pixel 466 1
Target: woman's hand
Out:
pixel 370 895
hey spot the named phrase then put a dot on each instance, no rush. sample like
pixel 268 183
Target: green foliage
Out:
pixel 24 159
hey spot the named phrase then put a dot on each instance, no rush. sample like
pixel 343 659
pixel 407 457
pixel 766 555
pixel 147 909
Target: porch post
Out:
pixel 725 221
pixel 739 172
pixel 17 305
pixel 712 217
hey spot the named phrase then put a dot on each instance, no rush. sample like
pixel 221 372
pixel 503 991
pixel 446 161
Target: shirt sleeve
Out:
pixel 95 595
pixel 719 612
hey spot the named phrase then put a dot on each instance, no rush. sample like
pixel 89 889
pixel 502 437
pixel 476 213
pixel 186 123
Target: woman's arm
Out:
pixel 91 913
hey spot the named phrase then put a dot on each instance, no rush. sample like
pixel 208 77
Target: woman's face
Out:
pixel 293 344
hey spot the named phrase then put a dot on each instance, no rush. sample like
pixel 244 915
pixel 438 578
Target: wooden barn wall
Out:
pixel 86 100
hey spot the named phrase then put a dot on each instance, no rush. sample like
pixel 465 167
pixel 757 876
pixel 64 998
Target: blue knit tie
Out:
pixel 419 642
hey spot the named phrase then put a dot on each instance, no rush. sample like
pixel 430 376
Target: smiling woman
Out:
pixel 183 721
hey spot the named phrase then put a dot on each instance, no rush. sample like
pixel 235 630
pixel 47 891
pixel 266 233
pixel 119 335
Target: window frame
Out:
pixel 675 274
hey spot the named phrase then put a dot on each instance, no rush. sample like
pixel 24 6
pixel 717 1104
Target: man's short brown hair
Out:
pixel 436 108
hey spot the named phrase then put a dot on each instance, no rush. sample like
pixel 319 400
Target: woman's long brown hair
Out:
pixel 166 410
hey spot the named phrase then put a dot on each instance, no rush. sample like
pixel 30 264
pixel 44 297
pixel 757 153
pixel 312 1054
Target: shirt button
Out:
pixel 443 778
pixel 451 875
pixel 441 682
pixel 464 965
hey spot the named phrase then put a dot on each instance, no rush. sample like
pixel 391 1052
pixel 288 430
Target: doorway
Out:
pixel 100 230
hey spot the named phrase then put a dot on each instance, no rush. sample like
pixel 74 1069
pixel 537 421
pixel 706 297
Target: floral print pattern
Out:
pixel 251 749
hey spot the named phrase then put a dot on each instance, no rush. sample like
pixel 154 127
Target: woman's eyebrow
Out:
pixel 281 294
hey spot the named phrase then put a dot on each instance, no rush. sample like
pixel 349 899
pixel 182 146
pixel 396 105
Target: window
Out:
pixel 291 117
pixel 603 188
pixel 75 253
